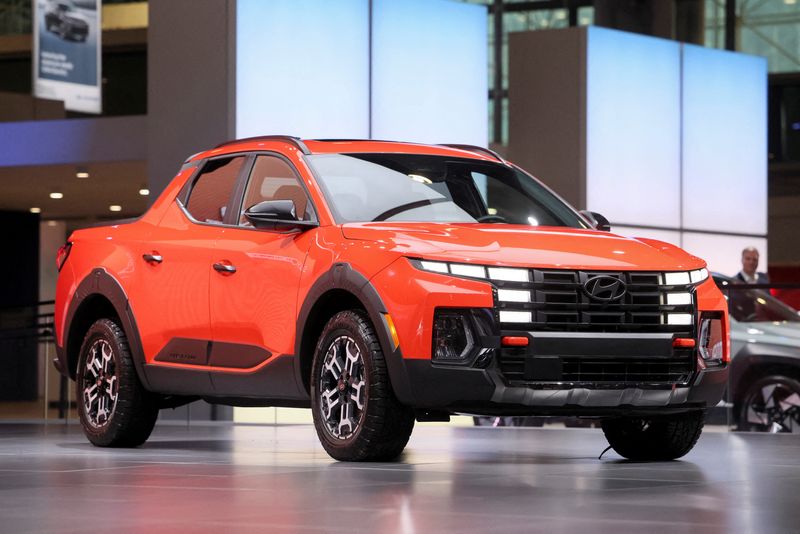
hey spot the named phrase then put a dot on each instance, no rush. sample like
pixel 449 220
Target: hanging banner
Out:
pixel 66 52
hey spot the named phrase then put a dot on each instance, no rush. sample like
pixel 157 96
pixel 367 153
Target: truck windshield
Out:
pixel 424 188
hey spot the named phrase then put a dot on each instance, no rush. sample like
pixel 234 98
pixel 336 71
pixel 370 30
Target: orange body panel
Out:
pixel 184 297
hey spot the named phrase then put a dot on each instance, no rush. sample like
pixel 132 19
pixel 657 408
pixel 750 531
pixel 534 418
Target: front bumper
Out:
pixel 487 392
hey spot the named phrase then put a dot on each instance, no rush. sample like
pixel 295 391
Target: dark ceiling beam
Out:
pixel 541 4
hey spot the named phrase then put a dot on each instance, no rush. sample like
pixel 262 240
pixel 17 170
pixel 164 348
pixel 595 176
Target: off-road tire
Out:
pixel 657 438
pixel 385 424
pixel 136 410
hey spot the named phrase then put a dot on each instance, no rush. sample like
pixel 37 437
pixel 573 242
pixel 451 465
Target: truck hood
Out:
pixel 524 246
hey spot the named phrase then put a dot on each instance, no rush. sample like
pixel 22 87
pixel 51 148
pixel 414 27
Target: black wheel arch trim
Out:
pixel 100 283
pixel 342 276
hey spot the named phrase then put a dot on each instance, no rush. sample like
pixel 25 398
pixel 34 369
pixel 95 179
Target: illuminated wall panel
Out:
pixel 633 128
pixel 723 253
pixel 429 62
pixel 302 68
pixel 724 141
pixel 670 140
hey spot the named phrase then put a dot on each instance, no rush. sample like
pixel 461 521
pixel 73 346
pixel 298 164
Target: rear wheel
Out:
pixel 115 410
pixel 771 404
pixel 356 414
pixel 663 437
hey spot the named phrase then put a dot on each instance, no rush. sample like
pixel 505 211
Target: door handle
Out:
pixel 224 268
pixel 153 258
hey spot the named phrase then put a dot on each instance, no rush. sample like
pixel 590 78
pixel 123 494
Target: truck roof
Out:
pixel 348 146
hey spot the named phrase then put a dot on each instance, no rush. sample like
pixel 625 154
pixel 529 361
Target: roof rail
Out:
pixel 285 138
pixel 477 150
pixel 357 141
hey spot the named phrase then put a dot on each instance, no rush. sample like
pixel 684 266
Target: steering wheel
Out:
pixel 491 219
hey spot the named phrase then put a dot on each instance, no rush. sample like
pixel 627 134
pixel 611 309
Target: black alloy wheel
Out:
pixel 114 409
pixel 771 404
pixel 342 387
pixel 100 384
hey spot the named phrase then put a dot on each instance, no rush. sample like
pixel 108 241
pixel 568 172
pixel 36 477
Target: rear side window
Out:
pixel 213 188
pixel 274 179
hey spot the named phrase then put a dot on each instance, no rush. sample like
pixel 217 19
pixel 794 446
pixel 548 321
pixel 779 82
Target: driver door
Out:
pixel 254 300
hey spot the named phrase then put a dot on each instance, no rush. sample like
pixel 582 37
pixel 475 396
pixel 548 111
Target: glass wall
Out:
pixel 515 20
pixel 769 28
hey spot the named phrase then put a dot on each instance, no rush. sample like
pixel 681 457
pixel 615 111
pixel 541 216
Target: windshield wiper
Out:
pixel 407 207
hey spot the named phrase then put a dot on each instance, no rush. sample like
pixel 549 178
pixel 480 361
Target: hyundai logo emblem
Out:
pixel 604 288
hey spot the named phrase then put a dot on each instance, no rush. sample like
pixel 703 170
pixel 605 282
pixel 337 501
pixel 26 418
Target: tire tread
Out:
pixel 666 437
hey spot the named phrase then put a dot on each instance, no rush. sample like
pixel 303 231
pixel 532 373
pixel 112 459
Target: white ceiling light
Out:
pixel 144 191
pixel 115 207
pixel 56 196
pixel 82 174
pixel 36 210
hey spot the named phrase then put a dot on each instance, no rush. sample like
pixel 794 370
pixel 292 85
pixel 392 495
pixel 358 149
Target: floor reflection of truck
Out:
pixel 62 18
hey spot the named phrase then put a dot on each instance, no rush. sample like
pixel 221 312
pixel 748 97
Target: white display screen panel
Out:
pixel 633 128
pixel 67 53
pixel 668 236
pixel 724 141
pixel 724 253
pixel 429 81
pixel 302 68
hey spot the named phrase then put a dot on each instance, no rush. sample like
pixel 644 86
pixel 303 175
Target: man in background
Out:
pixel 749 273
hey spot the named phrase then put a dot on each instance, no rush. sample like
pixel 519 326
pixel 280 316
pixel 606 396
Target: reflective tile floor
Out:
pixel 278 479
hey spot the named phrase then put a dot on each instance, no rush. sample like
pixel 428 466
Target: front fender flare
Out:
pixel 343 276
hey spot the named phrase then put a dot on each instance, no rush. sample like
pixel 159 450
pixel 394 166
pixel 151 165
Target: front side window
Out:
pixel 274 179
pixel 213 188
pixel 424 188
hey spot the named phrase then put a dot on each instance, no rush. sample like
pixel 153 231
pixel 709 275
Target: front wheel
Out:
pixel 663 437
pixel 115 410
pixel 356 415
pixel 771 404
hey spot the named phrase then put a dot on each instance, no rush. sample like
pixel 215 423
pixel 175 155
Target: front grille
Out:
pixel 559 303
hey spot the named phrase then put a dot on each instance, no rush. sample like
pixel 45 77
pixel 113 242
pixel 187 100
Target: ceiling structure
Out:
pixel 108 184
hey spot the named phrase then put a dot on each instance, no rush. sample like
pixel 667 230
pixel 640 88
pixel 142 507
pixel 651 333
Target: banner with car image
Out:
pixel 66 52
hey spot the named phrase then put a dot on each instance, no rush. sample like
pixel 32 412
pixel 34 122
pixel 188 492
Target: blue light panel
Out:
pixel 633 128
pixel 724 141
pixel 429 77
pixel 302 68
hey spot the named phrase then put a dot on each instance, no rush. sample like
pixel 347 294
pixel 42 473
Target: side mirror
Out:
pixel 596 220
pixel 277 215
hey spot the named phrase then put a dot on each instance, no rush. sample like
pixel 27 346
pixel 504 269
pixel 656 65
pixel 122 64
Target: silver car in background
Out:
pixel 764 384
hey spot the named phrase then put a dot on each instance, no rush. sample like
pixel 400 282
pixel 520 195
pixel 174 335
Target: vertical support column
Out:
pixel 497 80
pixel 730 24
pixel 190 93
pixel 547 108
